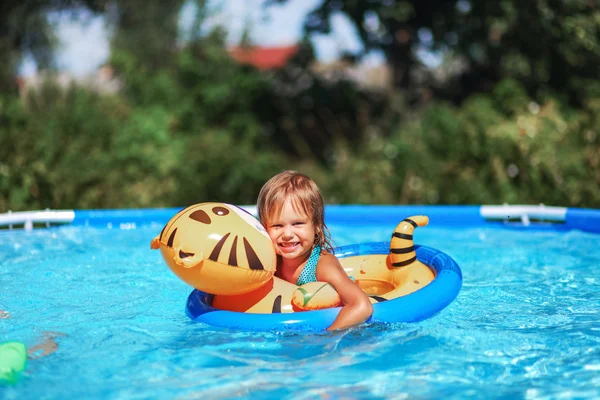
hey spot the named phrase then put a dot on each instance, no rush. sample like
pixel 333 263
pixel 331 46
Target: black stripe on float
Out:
pixel 253 260
pixel 200 216
pixel 233 253
pixel 410 221
pixel 171 238
pixel 214 255
pixel 403 250
pixel 402 236
pixel 379 299
pixel 403 263
pixel 161 232
pixel 174 219
pixel 276 305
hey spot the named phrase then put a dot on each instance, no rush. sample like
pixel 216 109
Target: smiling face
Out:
pixel 292 232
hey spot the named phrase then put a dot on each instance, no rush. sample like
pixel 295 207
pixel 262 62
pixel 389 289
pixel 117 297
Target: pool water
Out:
pixel 525 325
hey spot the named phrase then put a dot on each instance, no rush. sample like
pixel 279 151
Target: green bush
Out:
pixel 505 148
pixel 73 148
pixel 497 148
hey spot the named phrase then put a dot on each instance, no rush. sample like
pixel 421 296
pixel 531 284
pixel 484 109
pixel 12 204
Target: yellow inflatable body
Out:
pixel 221 249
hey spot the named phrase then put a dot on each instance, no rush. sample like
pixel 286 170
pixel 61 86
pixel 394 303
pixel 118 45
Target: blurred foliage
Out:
pixel 74 148
pixel 189 124
pixel 477 154
pixel 548 45
pixel 26 31
pixel 149 29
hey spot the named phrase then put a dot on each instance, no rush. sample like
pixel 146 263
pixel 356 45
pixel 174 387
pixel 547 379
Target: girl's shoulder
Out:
pixel 327 257
pixel 327 263
pixel 326 252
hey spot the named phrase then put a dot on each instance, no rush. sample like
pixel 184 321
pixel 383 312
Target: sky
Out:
pixel 84 45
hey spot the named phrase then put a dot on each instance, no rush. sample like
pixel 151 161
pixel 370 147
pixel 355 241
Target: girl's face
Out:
pixel 292 233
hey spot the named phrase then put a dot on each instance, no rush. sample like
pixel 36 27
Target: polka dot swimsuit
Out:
pixel 309 272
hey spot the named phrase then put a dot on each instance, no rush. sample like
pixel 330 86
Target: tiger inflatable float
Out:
pixel 223 250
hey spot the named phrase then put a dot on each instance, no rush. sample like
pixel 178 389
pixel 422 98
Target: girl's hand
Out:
pixel 356 307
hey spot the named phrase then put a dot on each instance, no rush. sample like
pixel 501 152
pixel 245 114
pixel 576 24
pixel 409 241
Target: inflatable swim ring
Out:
pixel 226 255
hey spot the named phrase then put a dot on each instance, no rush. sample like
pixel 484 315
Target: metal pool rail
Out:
pixel 27 219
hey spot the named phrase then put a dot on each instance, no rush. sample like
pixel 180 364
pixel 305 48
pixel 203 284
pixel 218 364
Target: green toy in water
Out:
pixel 13 360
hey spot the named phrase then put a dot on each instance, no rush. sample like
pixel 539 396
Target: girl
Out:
pixel 290 207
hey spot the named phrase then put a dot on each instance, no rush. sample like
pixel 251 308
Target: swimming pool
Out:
pixel 525 324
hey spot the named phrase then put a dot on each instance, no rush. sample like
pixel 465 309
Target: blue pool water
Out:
pixel 525 325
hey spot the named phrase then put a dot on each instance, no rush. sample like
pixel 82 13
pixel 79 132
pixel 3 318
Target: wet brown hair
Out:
pixel 305 197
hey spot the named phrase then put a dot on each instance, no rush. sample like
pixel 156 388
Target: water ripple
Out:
pixel 525 325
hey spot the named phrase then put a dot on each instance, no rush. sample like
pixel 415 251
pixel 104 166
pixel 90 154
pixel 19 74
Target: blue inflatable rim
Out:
pixel 414 307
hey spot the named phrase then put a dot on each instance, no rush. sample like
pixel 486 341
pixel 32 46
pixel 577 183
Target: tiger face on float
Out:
pixel 217 248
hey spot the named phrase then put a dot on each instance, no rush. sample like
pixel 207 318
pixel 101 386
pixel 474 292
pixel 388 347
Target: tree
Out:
pixel 546 44
pixel 148 29
pixel 25 30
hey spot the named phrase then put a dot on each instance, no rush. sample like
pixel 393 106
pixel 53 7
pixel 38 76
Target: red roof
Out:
pixel 264 57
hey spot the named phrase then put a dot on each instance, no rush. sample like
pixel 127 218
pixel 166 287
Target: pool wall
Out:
pixel 510 216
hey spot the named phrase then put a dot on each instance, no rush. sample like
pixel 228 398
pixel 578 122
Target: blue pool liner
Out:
pixel 585 219
pixel 417 306
pixel 466 216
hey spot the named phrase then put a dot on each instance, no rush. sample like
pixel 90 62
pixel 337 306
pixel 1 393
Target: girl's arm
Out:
pixel 356 305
